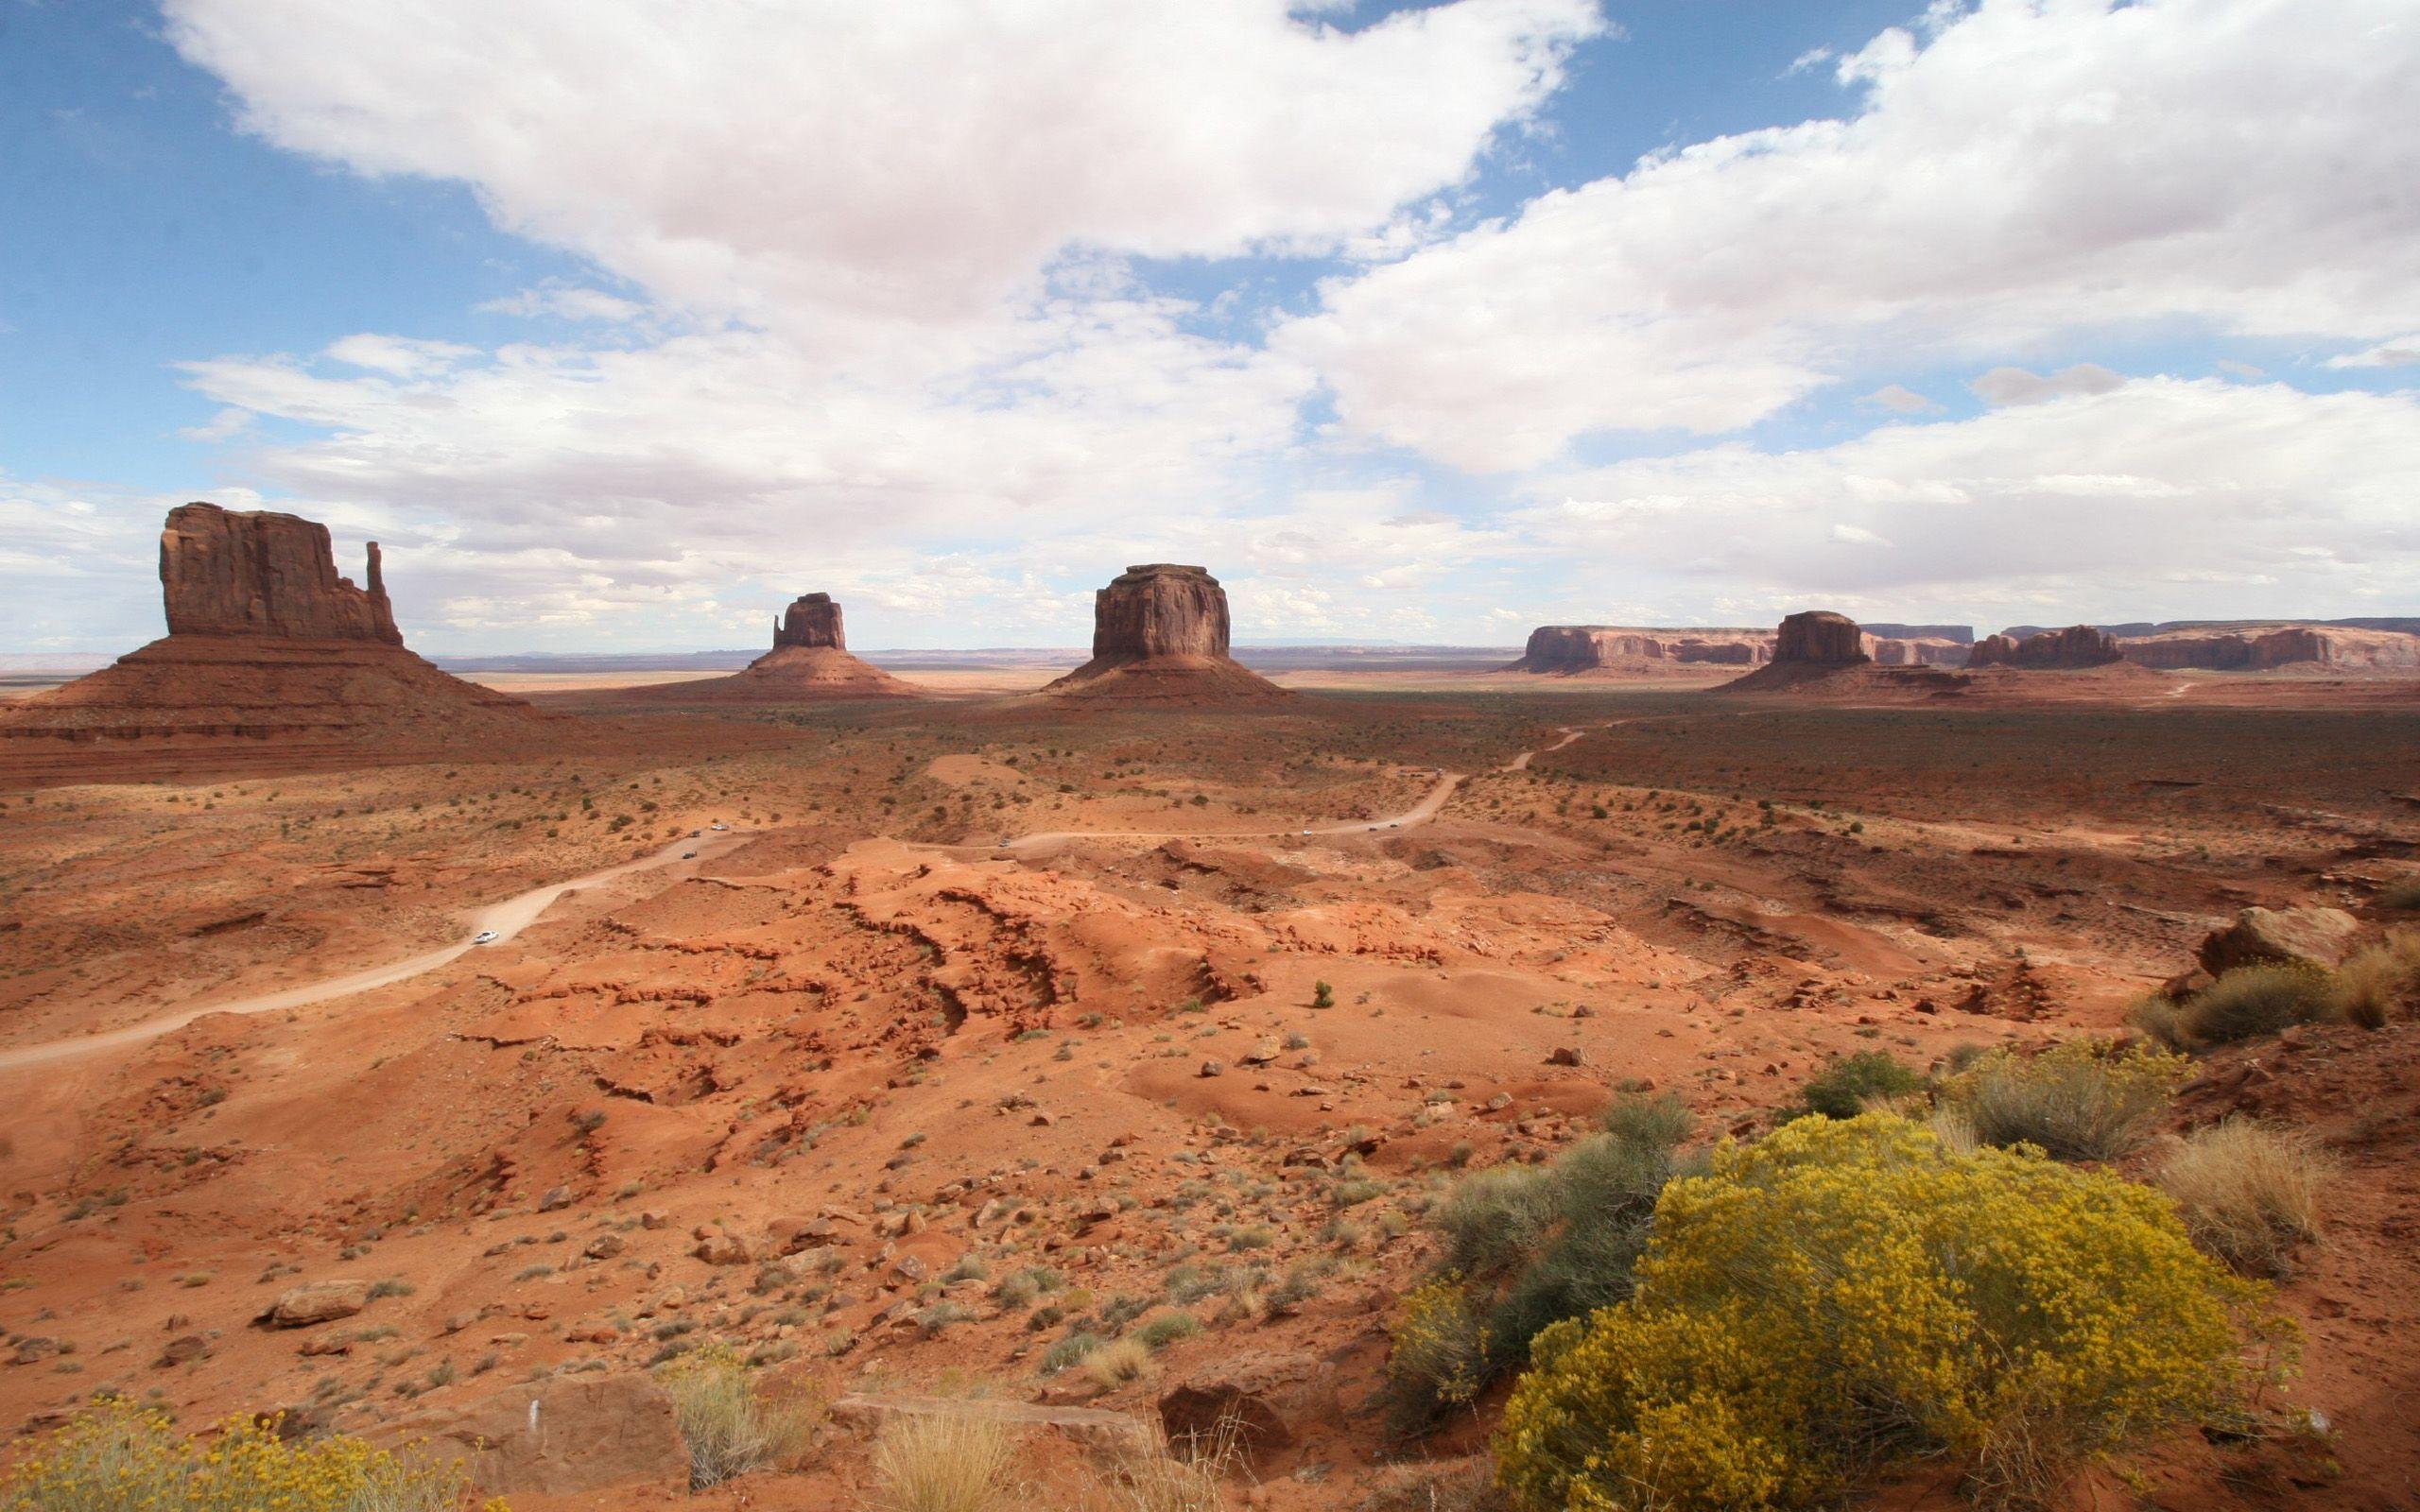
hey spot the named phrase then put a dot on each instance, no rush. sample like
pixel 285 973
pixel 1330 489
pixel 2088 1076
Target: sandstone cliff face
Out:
pixel 2259 650
pixel 2078 646
pixel 1579 648
pixel 1818 636
pixel 812 620
pixel 1160 633
pixel 225 573
pixel 1913 651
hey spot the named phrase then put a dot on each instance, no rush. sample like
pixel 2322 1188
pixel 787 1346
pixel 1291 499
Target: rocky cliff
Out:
pixel 812 620
pixel 2314 647
pixel 1913 651
pixel 1570 649
pixel 1818 636
pixel 1160 631
pixel 259 572
pixel 2078 646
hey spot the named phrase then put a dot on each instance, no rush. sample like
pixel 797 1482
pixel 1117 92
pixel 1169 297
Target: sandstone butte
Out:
pixel 1578 650
pixel 2078 646
pixel 811 659
pixel 266 642
pixel 2328 647
pixel 1160 634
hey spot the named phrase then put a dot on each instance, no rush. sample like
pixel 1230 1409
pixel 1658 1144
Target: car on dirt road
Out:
pixel 486 936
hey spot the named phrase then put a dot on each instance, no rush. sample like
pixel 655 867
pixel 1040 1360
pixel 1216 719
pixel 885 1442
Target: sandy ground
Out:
pixel 1097 1047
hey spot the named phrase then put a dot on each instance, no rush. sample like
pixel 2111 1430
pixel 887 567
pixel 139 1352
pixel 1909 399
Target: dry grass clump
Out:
pixel 942 1462
pixel 2079 1100
pixel 2381 983
pixel 1113 1364
pixel 1451 1485
pixel 730 1429
pixel 2249 1192
pixel 1162 1480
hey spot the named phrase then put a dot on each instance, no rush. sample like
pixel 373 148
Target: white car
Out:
pixel 718 825
pixel 486 936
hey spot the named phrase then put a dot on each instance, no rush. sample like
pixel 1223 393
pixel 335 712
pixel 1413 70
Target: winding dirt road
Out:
pixel 511 916
pixel 508 919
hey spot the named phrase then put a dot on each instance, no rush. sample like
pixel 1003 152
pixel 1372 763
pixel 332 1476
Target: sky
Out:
pixel 621 326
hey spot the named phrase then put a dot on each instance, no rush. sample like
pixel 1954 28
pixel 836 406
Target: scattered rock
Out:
pixel 2307 936
pixel 315 1302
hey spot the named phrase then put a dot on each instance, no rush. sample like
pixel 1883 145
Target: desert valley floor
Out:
pixel 1182 1012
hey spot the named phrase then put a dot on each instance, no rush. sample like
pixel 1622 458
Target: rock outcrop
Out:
pixel 810 661
pixel 267 644
pixel 2316 937
pixel 1913 651
pixel 225 573
pixel 2078 646
pixel 565 1436
pixel 1818 636
pixel 1576 649
pixel 1160 633
pixel 2311 646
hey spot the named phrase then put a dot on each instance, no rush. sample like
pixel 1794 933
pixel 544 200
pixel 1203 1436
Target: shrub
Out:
pixel 1842 1088
pixel 942 1462
pixel 2379 983
pixel 116 1456
pixel 1113 1365
pixel 1845 1295
pixel 2079 1100
pixel 1067 1351
pixel 2256 999
pixel 2249 1191
pixel 1166 1328
pixel 729 1428
pixel 1438 1357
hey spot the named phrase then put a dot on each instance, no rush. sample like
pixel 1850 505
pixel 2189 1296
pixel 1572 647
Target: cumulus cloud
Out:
pixel 2161 496
pixel 2401 353
pixel 2018 386
pixel 2025 171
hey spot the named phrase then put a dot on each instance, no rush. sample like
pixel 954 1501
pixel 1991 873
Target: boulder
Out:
pixel 1818 636
pixel 2318 938
pixel 568 1435
pixel 2078 646
pixel 299 1306
pixel 1160 631
pixel 260 572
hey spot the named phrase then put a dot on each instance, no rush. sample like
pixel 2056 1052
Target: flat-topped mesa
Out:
pixel 1160 631
pixel 1818 636
pixel 225 573
pixel 2078 646
pixel 812 620
pixel 1571 649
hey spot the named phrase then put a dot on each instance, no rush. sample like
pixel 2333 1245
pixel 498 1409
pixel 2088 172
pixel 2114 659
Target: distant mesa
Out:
pixel 1160 633
pixel 1573 650
pixel 809 661
pixel 2264 649
pixel 1817 652
pixel 266 642
pixel 2078 646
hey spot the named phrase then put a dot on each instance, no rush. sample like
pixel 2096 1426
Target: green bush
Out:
pixel 1842 1088
pixel 1846 1296
pixel 2251 1001
pixel 2079 1100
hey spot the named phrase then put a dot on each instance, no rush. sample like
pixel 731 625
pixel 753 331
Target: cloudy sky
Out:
pixel 620 325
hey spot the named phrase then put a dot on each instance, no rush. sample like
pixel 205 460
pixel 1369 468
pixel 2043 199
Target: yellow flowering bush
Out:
pixel 1848 1292
pixel 1440 1354
pixel 118 1457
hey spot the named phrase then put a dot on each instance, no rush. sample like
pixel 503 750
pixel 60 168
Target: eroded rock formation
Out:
pixel 2262 651
pixel 2078 646
pixel 266 642
pixel 1818 636
pixel 809 661
pixel 1570 649
pixel 259 572
pixel 1160 631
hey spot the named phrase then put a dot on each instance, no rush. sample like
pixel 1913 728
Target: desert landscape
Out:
pixel 1113 1064
pixel 1251 756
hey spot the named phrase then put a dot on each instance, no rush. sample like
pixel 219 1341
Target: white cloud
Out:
pixel 567 301
pixel 2234 368
pixel 224 426
pixel 2099 502
pixel 809 162
pixel 2401 353
pixel 1899 401
pixel 2018 386
pixel 400 355
pixel 2032 169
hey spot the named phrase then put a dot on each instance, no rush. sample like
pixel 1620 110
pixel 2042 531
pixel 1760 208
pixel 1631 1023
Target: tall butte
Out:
pixel 809 659
pixel 266 642
pixel 1160 634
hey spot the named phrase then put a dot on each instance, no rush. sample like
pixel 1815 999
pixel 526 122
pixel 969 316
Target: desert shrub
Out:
pixel 116 1456
pixel 2249 1193
pixel 1161 1479
pixel 1527 1245
pixel 2379 983
pixel 1113 1365
pixel 1439 1355
pixel 1847 1295
pixel 2080 1099
pixel 1166 1328
pixel 1842 1088
pixel 942 1462
pixel 1069 1350
pixel 730 1429
pixel 2251 1001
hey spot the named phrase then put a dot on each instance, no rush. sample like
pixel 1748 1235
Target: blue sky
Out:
pixel 1421 324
